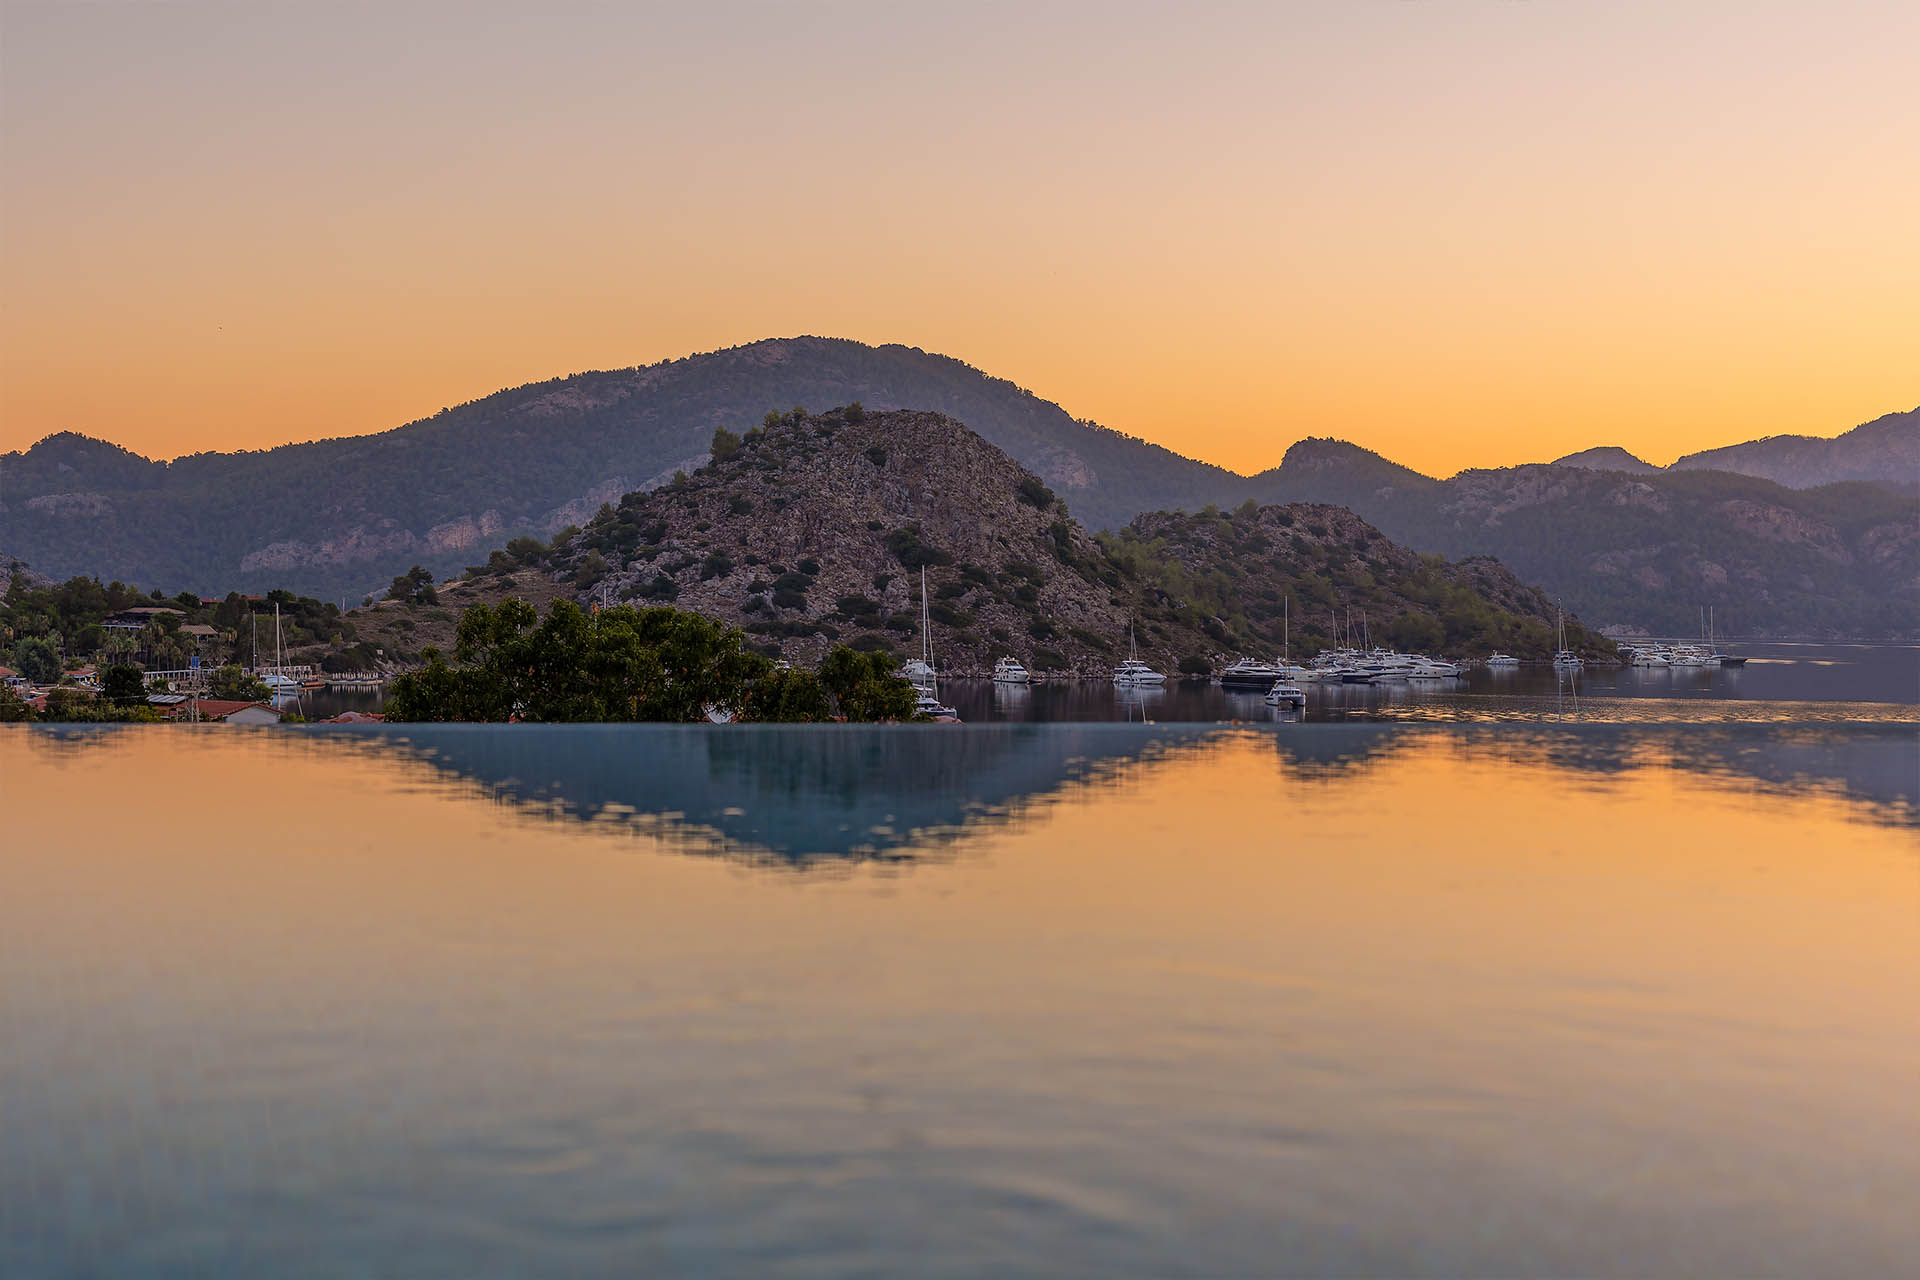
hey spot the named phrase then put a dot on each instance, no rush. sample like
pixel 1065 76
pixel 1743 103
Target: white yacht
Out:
pixel 1134 673
pixel 1249 673
pixel 1497 659
pixel 1009 671
pixel 917 673
pixel 1288 693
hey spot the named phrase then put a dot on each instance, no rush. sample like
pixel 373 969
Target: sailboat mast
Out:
pixel 1286 630
pixel 926 622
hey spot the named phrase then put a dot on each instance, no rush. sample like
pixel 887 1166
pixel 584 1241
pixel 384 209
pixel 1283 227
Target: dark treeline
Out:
pixel 632 664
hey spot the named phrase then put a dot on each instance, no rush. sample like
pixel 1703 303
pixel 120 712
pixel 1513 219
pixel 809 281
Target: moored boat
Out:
pixel 1133 673
pixel 1286 692
pixel 1250 673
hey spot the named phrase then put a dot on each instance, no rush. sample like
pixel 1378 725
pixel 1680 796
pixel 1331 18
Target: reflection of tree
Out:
pixel 799 793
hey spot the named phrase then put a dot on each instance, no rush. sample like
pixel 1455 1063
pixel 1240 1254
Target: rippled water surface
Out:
pixel 1595 999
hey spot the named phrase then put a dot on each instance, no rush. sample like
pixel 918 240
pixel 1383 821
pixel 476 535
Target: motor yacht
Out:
pixel 1250 673
pixel 1009 671
pixel 1502 660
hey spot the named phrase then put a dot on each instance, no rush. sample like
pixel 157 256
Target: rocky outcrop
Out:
pixel 817 529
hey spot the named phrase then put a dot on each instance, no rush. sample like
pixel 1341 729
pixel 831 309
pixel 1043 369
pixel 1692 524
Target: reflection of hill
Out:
pixel 797 792
pixel 1876 764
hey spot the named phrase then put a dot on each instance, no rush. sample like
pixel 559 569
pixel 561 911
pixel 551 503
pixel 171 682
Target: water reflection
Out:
pixel 793 792
pixel 804 793
pixel 1318 1000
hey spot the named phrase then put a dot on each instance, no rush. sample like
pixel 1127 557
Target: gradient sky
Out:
pixel 1459 233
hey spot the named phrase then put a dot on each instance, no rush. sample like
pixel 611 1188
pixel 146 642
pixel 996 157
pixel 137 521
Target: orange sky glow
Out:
pixel 1462 234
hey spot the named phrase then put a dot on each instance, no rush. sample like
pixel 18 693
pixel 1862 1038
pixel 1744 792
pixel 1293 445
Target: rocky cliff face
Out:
pixel 817 529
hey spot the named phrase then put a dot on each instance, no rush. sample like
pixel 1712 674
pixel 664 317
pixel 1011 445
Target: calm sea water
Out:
pixel 1353 999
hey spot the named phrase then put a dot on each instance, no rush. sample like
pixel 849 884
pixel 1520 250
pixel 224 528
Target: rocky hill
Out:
pixel 1647 552
pixel 12 567
pixel 816 528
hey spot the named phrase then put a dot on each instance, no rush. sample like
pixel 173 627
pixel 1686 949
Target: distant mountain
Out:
pixel 342 517
pixel 1885 451
pixel 1008 570
pixel 1606 458
pixel 1648 551
pixel 345 515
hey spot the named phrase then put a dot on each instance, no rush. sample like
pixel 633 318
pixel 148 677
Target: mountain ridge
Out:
pixel 340 517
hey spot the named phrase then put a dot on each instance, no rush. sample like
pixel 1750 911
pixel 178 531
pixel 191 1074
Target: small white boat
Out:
pixel 917 673
pixel 1134 673
pixel 1285 691
pixel 1564 658
pixel 928 705
pixel 1502 660
pixel 1009 671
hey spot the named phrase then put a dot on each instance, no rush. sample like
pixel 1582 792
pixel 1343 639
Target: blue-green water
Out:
pixel 1097 999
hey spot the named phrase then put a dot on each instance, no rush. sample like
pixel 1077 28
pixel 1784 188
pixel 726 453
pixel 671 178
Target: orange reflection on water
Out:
pixel 1430 977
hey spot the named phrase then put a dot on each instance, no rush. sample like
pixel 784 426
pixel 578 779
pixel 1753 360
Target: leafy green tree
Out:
pixel 866 686
pixel 725 444
pixel 69 705
pixel 620 664
pixel 787 697
pixel 37 659
pixel 13 708
pixel 415 586
pixel 123 686
pixel 233 684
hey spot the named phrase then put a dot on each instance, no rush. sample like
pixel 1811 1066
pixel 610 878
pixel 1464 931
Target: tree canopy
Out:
pixel 630 664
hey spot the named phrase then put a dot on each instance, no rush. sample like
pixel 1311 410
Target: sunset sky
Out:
pixel 1458 233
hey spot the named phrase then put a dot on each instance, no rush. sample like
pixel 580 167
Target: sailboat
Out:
pixel 1717 658
pixel 1133 673
pixel 1563 657
pixel 1284 689
pixel 918 672
pixel 278 682
pixel 928 703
